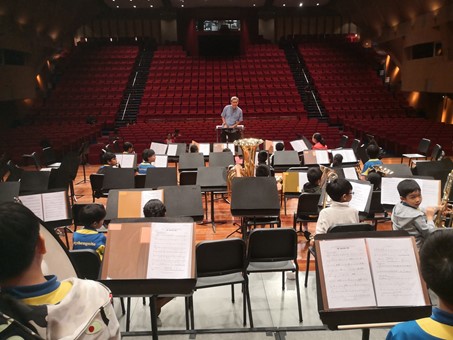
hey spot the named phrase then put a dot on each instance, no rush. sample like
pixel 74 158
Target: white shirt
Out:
pixel 337 213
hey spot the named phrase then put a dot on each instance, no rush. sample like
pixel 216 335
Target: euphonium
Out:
pixel 328 175
pixel 444 203
pixel 248 147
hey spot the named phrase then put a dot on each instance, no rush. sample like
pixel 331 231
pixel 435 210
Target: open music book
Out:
pixel 150 250
pixel 172 149
pixel 348 155
pixel 131 203
pixel 161 161
pixel 430 188
pixel 316 157
pixel 299 145
pixel 50 206
pixel 370 272
pixel 159 148
pixel 127 160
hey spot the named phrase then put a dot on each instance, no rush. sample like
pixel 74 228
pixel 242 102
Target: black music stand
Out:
pixel 180 149
pixel 184 201
pixel 254 196
pixel 212 179
pixel 283 160
pixel 229 135
pixel 83 159
pixel 223 159
pixel 9 191
pixel 118 178
pixel 336 318
pixel 34 181
pixel 191 161
pixel 158 177
pixel 399 170
pixel 436 169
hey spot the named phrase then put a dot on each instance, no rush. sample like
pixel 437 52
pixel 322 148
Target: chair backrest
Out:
pixel 308 204
pixel 86 262
pixel 423 146
pixel 343 141
pixel 347 228
pixel 139 181
pixel 436 152
pixel 97 181
pixel 188 178
pixel 376 206
pixel 362 154
pixel 49 156
pixel 220 257
pixel 271 245
pixel 158 177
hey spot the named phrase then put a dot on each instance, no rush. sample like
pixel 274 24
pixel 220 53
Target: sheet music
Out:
pixel 54 206
pixel 172 149
pixel 430 188
pixel 350 173
pixel 161 161
pixel 126 160
pixel 322 157
pixel 298 145
pixel 302 180
pixel 395 272
pixel 149 195
pixel 348 155
pixel 204 148
pixel 34 203
pixel 159 148
pixel 361 195
pixel 170 252
pixel 347 273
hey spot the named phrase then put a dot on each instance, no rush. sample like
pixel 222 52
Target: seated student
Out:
pixel 148 156
pixel 372 151
pixel 193 148
pixel 128 147
pixel 109 160
pixel 92 217
pixel 436 264
pixel 278 147
pixel 170 138
pixel 262 159
pixel 406 215
pixel 337 160
pixel 69 309
pixel 318 142
pixel 339 212
pixel 262 170
pixel 314 175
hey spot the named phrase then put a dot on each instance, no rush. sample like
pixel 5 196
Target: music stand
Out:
pixel 221 130
pixel 222 159
pixel 118 178
pixel 191 161
pixel 34 181
pixel 283 160
pixel 9 191
pixel 254 196
pixel 212 179
pixel 83 159
pixel 399 170
pixel 158 177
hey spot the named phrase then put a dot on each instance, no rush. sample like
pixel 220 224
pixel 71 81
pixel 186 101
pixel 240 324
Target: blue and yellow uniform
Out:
pixel 89 238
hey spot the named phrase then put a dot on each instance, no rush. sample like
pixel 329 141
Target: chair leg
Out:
pixel 187 312
pixel 244 303
pixel 123 309
pixel 128 314
pixel 232 293
pixel 191 311
pixel 307 268
pixel 247 294
pixel 299 305
pixel 283 280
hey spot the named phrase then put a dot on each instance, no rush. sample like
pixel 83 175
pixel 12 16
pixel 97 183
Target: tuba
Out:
pixel 248 147
pixel 444 203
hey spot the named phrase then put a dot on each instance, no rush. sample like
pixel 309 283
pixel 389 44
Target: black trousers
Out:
pixel 231 134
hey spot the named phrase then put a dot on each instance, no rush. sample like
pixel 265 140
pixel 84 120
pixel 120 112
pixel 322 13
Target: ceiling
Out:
pixel 141 4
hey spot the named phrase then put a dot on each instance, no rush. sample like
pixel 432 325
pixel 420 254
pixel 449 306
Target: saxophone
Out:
pixel 444 203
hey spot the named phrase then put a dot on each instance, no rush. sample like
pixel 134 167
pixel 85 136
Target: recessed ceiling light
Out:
pixel 254 5
pixel 182 5
pixel 301 4
pixel 151 6
pixel 117 6
pixel 284 5
pixel 135 6
pixel 317 4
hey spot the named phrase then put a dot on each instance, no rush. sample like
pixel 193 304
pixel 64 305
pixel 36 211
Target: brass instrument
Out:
pixel 328 175
pixel 248 147
pixel 444 203
pixel 381 170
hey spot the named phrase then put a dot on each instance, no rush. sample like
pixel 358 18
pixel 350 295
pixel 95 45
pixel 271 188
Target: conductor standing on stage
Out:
pixel 231 118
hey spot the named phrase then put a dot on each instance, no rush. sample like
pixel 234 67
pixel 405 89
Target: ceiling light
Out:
pixel 151 6
pixel 254 5
pixel 284 5
pixel 301 4
pixel 117 6
pixel 317 4
pixel 182 5
pixel 135 6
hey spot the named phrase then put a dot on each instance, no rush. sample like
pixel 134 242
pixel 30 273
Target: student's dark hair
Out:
pixel 262 156
pixel 193 148
pixel 337 160
pixel 318 137
pixel 262 170
pixel 436 262
pixel 19 232
pixel 337 188
pixel 372 151
pixel 226 150
pixel 314 174
pixel 154 208
pixel 279 146
pixel 127 146
pixel 375 179
pixel 147 153
pixel 405 187
pixel 107 157
pixel 91 213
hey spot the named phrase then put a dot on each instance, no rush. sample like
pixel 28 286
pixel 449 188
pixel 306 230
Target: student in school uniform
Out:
pixel 109 160
pixel 148 156
pixel 318 142
pixel 128 147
